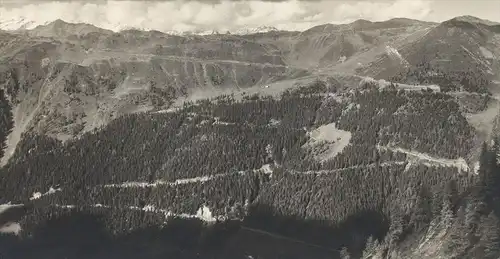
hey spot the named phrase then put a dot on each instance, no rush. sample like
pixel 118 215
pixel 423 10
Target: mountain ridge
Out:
pixel 368 140
pixel 24 24
pixel 133 61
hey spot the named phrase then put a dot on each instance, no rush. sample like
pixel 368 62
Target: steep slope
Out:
pixel 5 120
pixel 472 19
pixel 65 79
pixel 333 45
pixel 464 52
pixel 60 29
pixel 167 179
pixel 114 138
pixel 82 76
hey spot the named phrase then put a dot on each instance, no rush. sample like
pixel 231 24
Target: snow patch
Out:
pixel 4 207
pixel 38 195
pixel 394 53
pixel 269 151
pixel 476 168
pixel 161 182
pixel 335 139
pixel 407 87
pixel 65 206
pixel 205 214
pixel 219 122
pixel 11 228
pixel 266 169
pixel 169 110
pixel 193 180
pixel 259 29
pixel 18 23
pixel 45 62
pixel 274 122
pixel 486 53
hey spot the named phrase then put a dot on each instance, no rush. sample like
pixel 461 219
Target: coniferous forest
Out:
pixel 367 140
pixel 127 190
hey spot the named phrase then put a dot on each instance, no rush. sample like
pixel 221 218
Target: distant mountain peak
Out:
pixel 363 24
pixel 260 29
pixel 362 21
pixel 21 23
pixel 62 28
pixel 59 22
pixel 56 24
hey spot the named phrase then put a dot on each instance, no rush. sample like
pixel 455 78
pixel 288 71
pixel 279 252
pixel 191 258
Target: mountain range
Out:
pixel 359 140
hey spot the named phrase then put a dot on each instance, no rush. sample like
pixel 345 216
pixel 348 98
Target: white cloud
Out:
pixel 224 15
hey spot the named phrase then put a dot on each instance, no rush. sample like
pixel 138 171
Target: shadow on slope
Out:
pixel 352 233
pixel 83 235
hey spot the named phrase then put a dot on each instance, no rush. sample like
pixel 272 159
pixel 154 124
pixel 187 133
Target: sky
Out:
pixel 232 15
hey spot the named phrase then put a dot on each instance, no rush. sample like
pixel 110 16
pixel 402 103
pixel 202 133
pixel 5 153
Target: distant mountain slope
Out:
pixel 472 19
pixel 65 79
pixel 368 140
pixel 466 51
pixel 62 29
pixel 332 45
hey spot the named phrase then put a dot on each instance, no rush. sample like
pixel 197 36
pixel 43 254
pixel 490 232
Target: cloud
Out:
pixel 219 15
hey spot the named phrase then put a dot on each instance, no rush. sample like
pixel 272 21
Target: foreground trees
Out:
pixel 247 161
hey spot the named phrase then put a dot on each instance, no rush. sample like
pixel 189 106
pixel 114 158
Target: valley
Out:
pixel 360 140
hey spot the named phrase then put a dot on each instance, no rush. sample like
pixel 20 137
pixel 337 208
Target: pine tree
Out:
pixel 371 247
pixel 487 173
pixel 458 242
pixel 449 196
pixel 422 214
pixel 495 168
pixel 344 253
pixel 490 239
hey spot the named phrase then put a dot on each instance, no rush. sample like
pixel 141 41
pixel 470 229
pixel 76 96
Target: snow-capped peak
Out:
pixel 20 23
pixel 241 31
pixel 23 23
pixel 260 29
